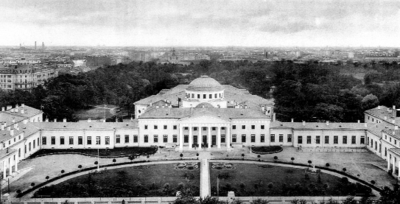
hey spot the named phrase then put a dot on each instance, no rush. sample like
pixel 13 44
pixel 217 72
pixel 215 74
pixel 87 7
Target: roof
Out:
pixel 179 113
pixel 395 151
pixel 383 112
pixel 23 111
pixel 317 126
pixel 205 83
pixel 392 132
pixel 377 128
pixel 28 129
pixel 81 125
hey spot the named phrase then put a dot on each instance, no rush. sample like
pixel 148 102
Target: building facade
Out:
pixel 201 116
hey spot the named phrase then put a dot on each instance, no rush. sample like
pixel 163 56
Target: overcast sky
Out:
pixel 201 23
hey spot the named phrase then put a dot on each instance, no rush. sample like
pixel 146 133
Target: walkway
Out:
pixel 205 189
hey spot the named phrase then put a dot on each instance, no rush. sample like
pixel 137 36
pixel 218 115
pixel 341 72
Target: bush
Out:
pixel 79 166
pixel 114 160
pixel 327 165
pixel 276 157
pixel 32 184
pixel 344 169
pixel 266 149
pixel 62 171
pixel 373 182
pixel 259 201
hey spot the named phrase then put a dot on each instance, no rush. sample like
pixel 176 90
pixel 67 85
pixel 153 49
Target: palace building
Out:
pixel 201 116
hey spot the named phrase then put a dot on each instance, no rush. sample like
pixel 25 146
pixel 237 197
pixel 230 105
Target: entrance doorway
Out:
pixel 195 139
pixel 214 140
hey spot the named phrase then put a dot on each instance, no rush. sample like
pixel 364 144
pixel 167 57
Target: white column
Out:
pixel 16 162
pixel 228 137
pixel 399 170
pixel 10 166
pixel 209 136
pixel 200 137
pixel 180 138
pixel 394 165
pixel 190 137
pixel 4 169
pixel 388 163
pixel 219 137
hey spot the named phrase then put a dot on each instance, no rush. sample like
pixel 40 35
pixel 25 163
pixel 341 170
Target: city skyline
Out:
pixel 254 23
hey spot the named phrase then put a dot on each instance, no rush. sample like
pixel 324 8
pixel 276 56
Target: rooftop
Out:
pixel 384 113
pixel 81 125
pixel 205 83
pixel 318 126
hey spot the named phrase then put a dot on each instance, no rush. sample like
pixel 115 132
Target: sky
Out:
pixel 261 23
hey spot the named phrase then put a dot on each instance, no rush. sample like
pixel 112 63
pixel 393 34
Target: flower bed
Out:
pixel 266 149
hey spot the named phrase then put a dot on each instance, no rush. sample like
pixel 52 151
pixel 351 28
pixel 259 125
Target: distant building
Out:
pixel 24 76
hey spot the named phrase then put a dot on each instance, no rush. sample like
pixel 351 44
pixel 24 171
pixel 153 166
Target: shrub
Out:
pixel 344 169
pixel 292 159
pixel 47 177
pixel 32 184
pixel 327 165
pixel 96 162
pixel 373 182
pixel 80 166
pixel 309 162
pixel 276 157
pixel 306 177
pixel 114 160
pixel 259 201
pixel 62 171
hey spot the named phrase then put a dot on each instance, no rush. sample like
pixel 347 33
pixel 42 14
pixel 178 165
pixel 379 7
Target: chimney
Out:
pixel 393 121
pixel 304 123
pixel 64 120
pixel 22 111
pixel 365 124
pixel 358 121
pixel 89 120
pixel 12 132
pixel 394 112
pixel 23 105
pixel 379 107
pixel 396 127
pixel 9 107
pixel 292 120
pixel 2 127
pixel 8 128
pixel 13 121
pixel 47 120
pixel 15 125
pixel 327 122
pixel 25 121
pixel 385 117
pixel 55 120
pixel 116 119
pixel 3 109
pixel 274 117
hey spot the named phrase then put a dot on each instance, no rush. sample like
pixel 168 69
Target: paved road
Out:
pixel 205 189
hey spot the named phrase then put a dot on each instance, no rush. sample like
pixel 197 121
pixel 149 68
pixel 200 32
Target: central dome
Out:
pixel 205 83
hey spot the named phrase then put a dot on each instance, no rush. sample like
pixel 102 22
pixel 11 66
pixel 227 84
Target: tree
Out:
pixel 292 159
pixel 369 101
pixel 259 201
pixel 62 171
pixel 131 157
pixel 309 162
pixel 114 160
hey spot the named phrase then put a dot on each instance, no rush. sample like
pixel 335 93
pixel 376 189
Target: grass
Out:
pixel 96 112
pixel 267 180
pixel 116 152
pixel 138 181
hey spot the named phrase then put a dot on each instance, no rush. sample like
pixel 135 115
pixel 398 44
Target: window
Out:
pixel 326 139
pixel 280 137
pixel 362 140
pixel 253 138
pixel 175 127
pixel 300 140
pixel 253 127
pixel 210 96
pixel 135 138
pixel 44 141
pixel 289 137
pixel 155 127
pixel 89 140
pixel 186 139
pixel 385 152
pixel 71 140
pixel 80 140
pixel 38 142
pixel 118 139
pixel 344 139
pixel 145 127
pixel 126 138
pixel 186 128
pixel 174 138
pixel 318 139
pixel 204 96
pixel 335 139
pixel 262 127
pixel 33 142
pixel 234 127
pixel 213 128
pixel 29 146
pixel 272 138
pixel 98 141
pixel 198 95
pixel 222 138
pixel 146 138
pixel 155 139
pixel 215 96
pixel 165 138
pixel 353 139
pixel 262 138
pixel 165 127
pixel 234 138
pixel 243 138
pixel 308 139
pixel 62 140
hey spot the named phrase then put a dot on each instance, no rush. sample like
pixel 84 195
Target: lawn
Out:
pixel 97 112
pixel 137 181
pixel 268 180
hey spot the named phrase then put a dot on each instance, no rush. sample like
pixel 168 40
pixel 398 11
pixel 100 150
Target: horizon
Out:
pixel 195 23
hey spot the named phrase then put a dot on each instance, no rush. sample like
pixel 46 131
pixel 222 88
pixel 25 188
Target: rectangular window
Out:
pixel 135 138
pixel 362 140
pixel 300 140
pixel 234 138
pixel 174 138
pixel 344 139
pixel 317 139
pixel 272 138
pixel 262 127
pixel 243 138
pixel 210 96
pixel 62 140
pixel 89 140
pixel 155 139
pixel 145 127
pixel 80 140
pixel 308 139
pixel 243 127
pixel 253 127
pixel 204 96
pixel 107 142
pixel 186 139
pixel 289 137
pixel 71 140
pixel 44 141
pixel 165 138
pixel 198 95
pixel 155 127
pixel 126 138
pixel 262 138
pixel 253 138
pixel 33 142
pixel 165 127
pixel 146 138
pixel 222 138
pixel 326 139
pixel 98 141
pixel 118 139
pixel 353 139
pixel 29 146
pixel 37 142
pixel 335 139
pixel 175 127
pixel 234 127
pixel 280 137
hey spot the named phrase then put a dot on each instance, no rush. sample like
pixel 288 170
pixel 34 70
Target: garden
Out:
pixel 266 149
pixel 268 180
pixel 136 181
